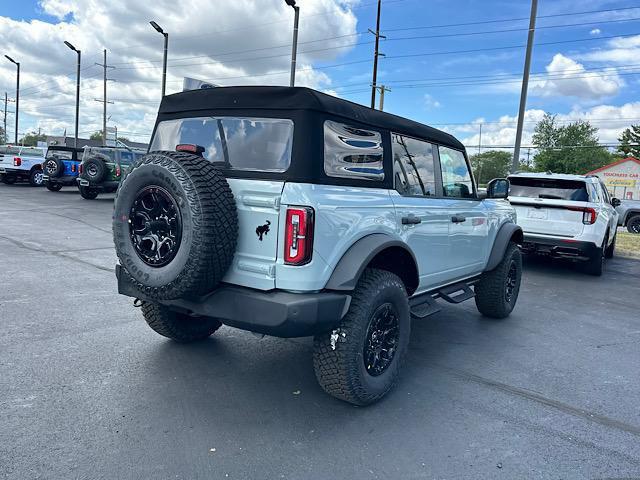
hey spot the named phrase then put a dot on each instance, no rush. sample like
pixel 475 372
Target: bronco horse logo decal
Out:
pixel 263 230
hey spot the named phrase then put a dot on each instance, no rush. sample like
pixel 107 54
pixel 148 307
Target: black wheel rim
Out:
pixel 51 168
pixel 512 282
pixel 382 340
pixel 635 227
pixel 92 170
pixel 155 226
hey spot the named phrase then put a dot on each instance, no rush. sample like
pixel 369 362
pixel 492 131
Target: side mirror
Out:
pixel 498 188
pixel 615 202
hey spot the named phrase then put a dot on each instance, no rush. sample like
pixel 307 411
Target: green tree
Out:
pixel 3 136
pixel 630 142
pixel 32 139
pixel 490 164
pixel 96 136
pixel 571 148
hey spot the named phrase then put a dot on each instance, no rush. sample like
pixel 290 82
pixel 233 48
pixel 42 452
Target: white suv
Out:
pixel 568 216
pixel 292 213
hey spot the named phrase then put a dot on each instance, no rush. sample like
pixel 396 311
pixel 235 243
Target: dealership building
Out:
pixel 622 178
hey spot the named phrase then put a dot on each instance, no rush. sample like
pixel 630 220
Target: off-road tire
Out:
pixel 9 179
pixel 209 225
pixel 609 252
pixel 100 169
pixel 35 177
pixel 176 326
pixel 88 193
pixel 633 224
pixel 53 187
pixel 491 290
pixel 53 167
pixel 338 356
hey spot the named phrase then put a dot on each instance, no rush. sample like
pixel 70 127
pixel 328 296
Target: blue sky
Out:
pixel 453 64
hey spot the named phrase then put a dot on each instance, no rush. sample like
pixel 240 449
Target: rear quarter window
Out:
pixel 550 188
pixel 352 152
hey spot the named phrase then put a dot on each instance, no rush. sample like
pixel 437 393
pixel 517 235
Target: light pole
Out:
pixel 75 141
pixel 294 48
pixel 159 29
pixel 17 95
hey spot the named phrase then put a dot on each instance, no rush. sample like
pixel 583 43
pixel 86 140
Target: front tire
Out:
pixel 497 291
pixel 359 362
pixel 176 326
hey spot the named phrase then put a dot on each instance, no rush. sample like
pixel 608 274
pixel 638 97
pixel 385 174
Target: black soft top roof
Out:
pixel 64 148
pixel 298 98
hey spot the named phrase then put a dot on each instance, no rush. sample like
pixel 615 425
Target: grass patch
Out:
pixel 628 245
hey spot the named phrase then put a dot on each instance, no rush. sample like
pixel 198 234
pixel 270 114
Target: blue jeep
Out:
pixel 61 167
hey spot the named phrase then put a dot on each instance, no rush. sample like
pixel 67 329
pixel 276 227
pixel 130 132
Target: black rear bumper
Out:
pixel 106 186
pixel 277 313
pixel 66 180
pixel 560 248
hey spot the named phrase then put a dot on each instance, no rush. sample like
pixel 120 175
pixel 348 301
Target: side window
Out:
pixel 126 157
pixel 595 192
pixel 413 166
pixel 352 152
pixel 456 178
pixel 605 193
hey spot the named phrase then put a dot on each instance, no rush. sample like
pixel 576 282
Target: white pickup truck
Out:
pixel 21 163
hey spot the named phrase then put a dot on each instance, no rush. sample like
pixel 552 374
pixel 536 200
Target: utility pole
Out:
pixel 4 140
pixel 17 64
pixel 375 56
pixel 75 142
pixel 294 48
pixel 104 100
pixel 480 141
pixel 525 85
pixel 382 89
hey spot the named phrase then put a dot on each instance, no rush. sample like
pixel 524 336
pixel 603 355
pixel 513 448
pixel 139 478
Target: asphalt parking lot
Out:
pixel 88 391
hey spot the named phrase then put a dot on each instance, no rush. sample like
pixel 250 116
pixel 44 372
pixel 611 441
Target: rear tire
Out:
pixel 360 361
pixel 9 179
pixel 88 193
pixel 53 187
pixel 595 264
pixel 497 291
pixel 36 177
pixel 633 224
pixel 176 326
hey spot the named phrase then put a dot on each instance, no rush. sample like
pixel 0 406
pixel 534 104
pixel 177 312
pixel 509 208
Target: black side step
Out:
pixel 424 306
pixel 461 289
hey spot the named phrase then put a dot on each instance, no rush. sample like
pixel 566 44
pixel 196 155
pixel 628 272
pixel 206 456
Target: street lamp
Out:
pixel 75 142
pixel 17 95
pixel 159 29
pixel 294 48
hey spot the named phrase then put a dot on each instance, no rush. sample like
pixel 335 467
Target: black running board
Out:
pixel 425 304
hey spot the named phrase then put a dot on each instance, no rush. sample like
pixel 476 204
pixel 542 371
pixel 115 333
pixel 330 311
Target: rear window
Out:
pixel 61 154
pixel 551 188
pixel 32 152
pixel 9 150
pixel 258 144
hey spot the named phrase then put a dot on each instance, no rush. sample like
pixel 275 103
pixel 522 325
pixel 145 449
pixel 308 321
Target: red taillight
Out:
pixel 117 170
pixel 73 167
pixel 298 236
pixel 589 215
pixel 17 161
pixel 80 168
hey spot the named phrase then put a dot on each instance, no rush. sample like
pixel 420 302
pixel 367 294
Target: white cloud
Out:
pixel 595 31
pixel 609 119
pixel 566 77
pixel 430 102
pixel 618 50
pixel 204 42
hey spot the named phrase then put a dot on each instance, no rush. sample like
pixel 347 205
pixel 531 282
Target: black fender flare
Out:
pixel 506 232
pixel 349 268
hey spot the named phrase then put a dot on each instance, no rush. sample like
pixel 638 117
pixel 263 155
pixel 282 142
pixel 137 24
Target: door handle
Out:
pixel 458 219
pixel 411 220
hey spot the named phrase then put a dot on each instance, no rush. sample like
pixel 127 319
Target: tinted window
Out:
pixel 352 152
pixel 413 166
pixel 605 192
pixel 107 154
pixel 61 154
pixel 456 178
pixel 126 157
pixel 262 144
pixel 552 188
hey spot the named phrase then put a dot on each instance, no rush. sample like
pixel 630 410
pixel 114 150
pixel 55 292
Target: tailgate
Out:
pixel 258 204
pixel 546 217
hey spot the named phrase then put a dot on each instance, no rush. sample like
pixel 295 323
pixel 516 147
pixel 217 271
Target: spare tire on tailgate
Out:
pixel 175 225
pixel 53 166
pixel 94 169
